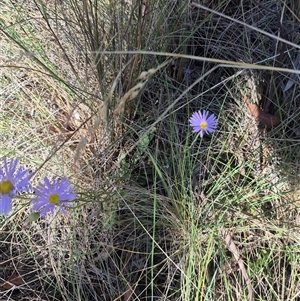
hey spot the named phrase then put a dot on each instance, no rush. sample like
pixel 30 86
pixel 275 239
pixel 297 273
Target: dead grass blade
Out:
pixel 233 249
pixel 247 25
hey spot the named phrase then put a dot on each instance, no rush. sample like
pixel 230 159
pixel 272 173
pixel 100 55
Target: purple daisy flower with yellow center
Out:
pixel 58 194
pixel 202 122
pixel 13 180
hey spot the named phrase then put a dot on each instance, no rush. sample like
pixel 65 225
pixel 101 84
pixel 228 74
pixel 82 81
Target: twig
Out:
pixel 233 249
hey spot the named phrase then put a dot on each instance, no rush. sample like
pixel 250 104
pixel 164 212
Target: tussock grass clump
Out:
pixel 93 90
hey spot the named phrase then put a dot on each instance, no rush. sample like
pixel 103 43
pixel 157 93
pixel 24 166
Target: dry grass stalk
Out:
pixel 133 92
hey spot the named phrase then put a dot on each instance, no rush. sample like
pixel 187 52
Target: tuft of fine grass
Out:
pixel 162 214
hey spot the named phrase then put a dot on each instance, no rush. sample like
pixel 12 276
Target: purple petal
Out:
pixel 49 208
pixel 47 183
pixel 63 210
pixel 39 203
pixel 10 169
pixel 5 204
pixel 65 184
pixel 196 129
pixel 204 115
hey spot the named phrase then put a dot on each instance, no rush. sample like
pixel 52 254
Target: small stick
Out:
pixel 233 249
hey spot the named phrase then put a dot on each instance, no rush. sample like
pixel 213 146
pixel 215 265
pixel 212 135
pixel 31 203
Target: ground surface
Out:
pixel 162 214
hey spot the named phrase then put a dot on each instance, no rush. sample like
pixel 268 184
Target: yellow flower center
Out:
pixel 54 199
pixel 203 125
pixel 6 187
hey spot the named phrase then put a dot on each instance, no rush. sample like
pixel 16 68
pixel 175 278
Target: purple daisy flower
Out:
pixel 49 195
pixel 13 180
pixel 202 122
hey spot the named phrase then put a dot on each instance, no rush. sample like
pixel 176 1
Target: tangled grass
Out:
pixel 102 92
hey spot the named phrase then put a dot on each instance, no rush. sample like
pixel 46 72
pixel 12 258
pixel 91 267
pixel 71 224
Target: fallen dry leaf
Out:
pixel 13 280
pixel 264 119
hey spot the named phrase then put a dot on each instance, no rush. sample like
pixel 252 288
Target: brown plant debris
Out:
pixel 265 120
